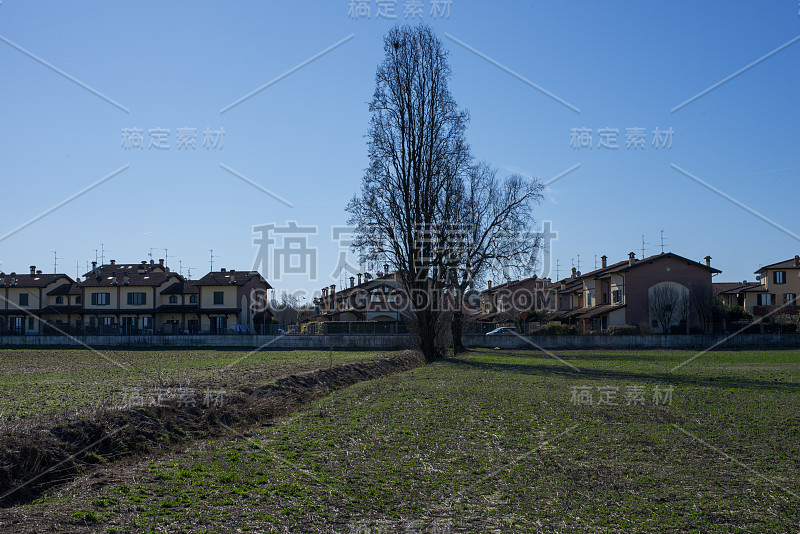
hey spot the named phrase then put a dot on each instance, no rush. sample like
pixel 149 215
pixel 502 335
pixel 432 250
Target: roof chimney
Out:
pixel 367 277
pixel 94 265
pixel 386 268
pixel 574 270
pixel 152 261
pixel 490 284
pixel 333 289
pixel 604 259
pixel 796 260
pixel 352 281
pixel 708 261
pixel 161 261
pixel 631 258
pixel 222 270
pixel 38 271
pixel 113 262
pixel 359 278
pixel 33 269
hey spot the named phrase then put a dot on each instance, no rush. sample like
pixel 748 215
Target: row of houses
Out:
pixel 147 298
pixel 139 298
pixel 617 294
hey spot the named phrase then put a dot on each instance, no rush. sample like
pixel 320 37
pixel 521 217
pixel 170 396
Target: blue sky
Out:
pixel 177 65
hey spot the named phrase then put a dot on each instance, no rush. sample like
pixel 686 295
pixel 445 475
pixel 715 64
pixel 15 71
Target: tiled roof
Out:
pixel 114 278
pixel 788 264
pixel 731 288
pixel 71 288
pixel 32 280
pixel 229 278
pixel 181 288
pixel 597 311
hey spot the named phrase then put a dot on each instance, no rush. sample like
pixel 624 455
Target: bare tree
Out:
pixel 494 233
pixel 418 157
pixel 285 310
pixel 702 300
pixel 667 304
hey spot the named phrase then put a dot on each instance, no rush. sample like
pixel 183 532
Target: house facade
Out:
pixel 367 299
pixel 777 291
pixel 625 292
pixel 142 298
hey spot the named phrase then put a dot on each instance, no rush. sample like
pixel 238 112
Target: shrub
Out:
pixel 624 330
pixel 557 329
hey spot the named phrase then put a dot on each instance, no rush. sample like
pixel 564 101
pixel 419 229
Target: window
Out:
pixel 193 299
pixel 605 297
pixel 173 299
pixel 789 298
pixel 147 323
pixel 616 296
pixel 30 323
pixel 59 300
pixel 101 299
pixel 765 299
pixel 78 299
pixel 23 299
pixel 137 299
pixel 108 321
pixel 219 297
pixel 779 277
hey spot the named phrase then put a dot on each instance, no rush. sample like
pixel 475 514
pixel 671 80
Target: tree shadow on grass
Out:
pixel 556 369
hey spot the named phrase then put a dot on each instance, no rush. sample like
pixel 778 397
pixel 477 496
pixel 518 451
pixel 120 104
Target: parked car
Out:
pixel 503 330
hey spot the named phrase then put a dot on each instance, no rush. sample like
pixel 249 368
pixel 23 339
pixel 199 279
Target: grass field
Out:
pixel 493 441
pixel 56 382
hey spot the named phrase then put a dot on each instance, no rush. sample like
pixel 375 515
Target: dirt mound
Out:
pixel 40 458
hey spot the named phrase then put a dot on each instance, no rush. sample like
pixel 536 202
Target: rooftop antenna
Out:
pixel 579 262
pixel 557 268
pixel 211 261
pixel 662 241
pixel 189 273
pixel 78 269
pixel 180 267
pixel 595 262
pixel 150 253
pixel 55 262
pixel 643 244
pixel 102 254
pixel 166 258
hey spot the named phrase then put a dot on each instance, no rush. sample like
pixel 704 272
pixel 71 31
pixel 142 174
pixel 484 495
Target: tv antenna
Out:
pixel 643 244
pixel 166 258
pixel 557 268
pixel 189 273
pixel 55 262
pixel 102 254
pixel 662 241
pixel 150 253
pixel 211 261
pixel 595 262
pixel 579 262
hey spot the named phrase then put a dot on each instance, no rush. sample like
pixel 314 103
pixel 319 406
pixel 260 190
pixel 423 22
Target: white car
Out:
pixel 503 330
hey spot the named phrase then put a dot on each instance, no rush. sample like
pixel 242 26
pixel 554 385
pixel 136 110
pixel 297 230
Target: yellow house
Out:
pixel 229 297
pixel 778 291
pixel 25 300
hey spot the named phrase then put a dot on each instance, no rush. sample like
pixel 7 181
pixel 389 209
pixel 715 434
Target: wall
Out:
pixel 403 341
pixel 354 341
pixel 634 342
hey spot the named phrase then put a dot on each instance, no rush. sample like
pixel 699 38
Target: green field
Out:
pixel 494 441
pixel 36 384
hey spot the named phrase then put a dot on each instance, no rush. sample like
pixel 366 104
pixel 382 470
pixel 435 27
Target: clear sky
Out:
pixel 538 78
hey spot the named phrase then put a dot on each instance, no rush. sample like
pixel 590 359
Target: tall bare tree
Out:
pixel 495 233
pixel 702 299
pixel 418 157
pixel 667 304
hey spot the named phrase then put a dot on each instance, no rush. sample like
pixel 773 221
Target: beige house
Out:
pixel 140 298
pixel 777 290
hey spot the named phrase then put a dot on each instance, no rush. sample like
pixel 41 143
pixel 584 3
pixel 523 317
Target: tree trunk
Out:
pixel 457 329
